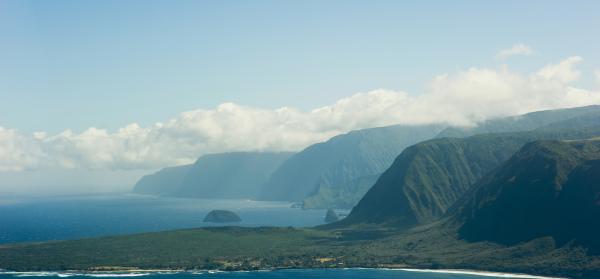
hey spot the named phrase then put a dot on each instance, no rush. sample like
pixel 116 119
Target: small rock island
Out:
pixel 331 216
pixel 222 216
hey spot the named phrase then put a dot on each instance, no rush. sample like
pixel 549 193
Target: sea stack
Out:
pixel 222 216
pixel 331 216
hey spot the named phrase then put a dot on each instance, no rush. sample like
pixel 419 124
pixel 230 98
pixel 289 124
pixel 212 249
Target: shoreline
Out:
pixel 145 272
pixel 480 273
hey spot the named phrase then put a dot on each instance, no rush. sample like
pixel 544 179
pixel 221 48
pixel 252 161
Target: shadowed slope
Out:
pixel 427 178
pixel 549 188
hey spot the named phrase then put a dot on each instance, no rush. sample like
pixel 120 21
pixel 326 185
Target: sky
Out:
pixel 121 88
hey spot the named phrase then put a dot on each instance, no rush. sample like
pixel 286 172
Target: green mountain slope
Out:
pixel 339 172
pixel 549 188
pixel 427 178
pixel 341 197
pixel 224 175
pixel 327 171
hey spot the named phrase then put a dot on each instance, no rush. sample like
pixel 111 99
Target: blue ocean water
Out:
pixel 278 274
pixel 69 217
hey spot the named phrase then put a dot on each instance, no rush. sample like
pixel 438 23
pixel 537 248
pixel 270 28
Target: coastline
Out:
pixel 480 273
pixel 132 272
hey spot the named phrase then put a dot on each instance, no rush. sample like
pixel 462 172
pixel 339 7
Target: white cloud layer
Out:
pixel 518 49
pixel 462 98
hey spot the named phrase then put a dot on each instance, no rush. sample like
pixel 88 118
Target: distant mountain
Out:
pixel 346 196
pixel 338 172
pixel 224 175
pixel 428 178
pixel 549 188
pixel 163 182
pixel 520 123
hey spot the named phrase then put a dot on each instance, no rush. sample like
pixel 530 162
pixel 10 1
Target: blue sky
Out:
pixel 76 64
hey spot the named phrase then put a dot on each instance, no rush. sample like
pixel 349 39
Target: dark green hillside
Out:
pixel 549 188
pixel 427 178
pixel 223 175
pixel 327 171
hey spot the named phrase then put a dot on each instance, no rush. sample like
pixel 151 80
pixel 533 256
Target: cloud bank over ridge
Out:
pixel 463 98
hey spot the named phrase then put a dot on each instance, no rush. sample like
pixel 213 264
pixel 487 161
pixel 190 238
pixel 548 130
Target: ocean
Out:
pixel 26 219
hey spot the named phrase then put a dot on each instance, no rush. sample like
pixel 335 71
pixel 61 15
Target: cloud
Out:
pixel 462 98
pixel 518 49
pixel 18 152
pixel 563 72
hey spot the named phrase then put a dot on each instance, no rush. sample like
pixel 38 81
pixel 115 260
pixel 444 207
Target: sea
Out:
pixel 31 218
pixel 43 218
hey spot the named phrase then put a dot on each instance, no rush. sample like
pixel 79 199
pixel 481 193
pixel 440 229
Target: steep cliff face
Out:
pixel 429 177
pixel 230 175
pixel 332 167
pixel 549 188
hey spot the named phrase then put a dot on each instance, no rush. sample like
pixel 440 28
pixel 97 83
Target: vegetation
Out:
pixel 428 178
pixel 326 173
pixel 346 196
pixel 549 188
pixel 222 216
pixel 234 248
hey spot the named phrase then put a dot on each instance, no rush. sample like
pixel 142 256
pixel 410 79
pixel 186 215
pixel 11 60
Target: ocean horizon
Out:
pixel 39 218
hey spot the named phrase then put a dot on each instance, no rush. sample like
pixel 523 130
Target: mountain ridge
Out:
pixel 427 178
pixel 333 164
pixel 548 188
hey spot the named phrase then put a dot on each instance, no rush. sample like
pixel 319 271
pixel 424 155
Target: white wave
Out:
pixel 200 272
pixel 480 273
pixel 115 274
pixel 68 274
pixel 30 274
